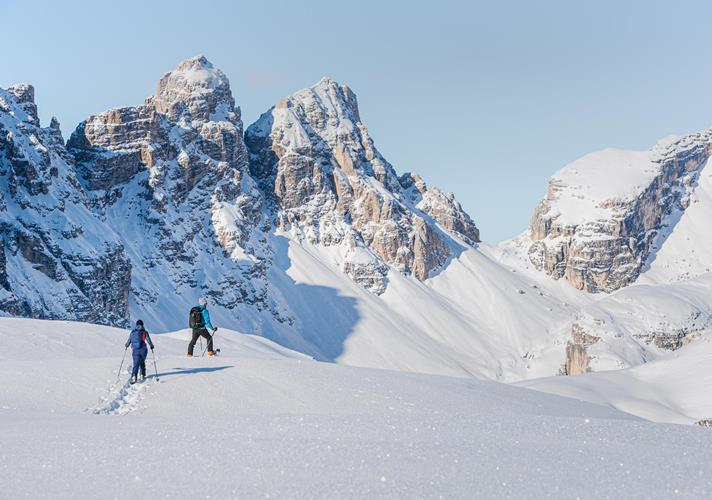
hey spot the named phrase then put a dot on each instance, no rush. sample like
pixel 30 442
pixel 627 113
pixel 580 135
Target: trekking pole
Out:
pixel 155 368
pixel 211 338
pixel 118 375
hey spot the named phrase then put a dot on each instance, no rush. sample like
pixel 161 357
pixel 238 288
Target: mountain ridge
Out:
pixel 298 229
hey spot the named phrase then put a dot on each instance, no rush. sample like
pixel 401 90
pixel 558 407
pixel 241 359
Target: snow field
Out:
pixel 261 421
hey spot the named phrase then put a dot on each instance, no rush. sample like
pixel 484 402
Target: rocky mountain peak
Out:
pixel 331 186
pixel 24 94
pixel 196 91
pixel 172 176
pixel 194 101
pixel 597 224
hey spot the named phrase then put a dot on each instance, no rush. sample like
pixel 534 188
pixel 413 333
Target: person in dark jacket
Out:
pixel 137 340
pixel 200 323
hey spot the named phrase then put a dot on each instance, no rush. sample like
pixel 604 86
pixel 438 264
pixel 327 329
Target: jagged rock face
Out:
pixel 331 186
pixel 196 92
pixel 171 175
pixel 577 356
pixel 50 240
pixel 601 213
pixel 444 208
pixel 155 205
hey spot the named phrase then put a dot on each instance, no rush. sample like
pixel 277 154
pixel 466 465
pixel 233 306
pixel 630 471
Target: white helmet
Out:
pixel 203 301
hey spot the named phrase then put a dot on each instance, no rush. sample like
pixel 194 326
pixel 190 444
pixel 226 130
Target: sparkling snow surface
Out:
pixel 261 421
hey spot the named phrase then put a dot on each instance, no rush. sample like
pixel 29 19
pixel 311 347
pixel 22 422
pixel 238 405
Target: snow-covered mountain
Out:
pixel 331 186
pixel 606 214
pixel 56 259
pixel 300 231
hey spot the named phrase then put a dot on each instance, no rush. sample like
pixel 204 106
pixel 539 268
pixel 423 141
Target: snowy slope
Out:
pixel 475 318
pixel 674 388
pixel 581 196
pixel 261 421
pixel 683 249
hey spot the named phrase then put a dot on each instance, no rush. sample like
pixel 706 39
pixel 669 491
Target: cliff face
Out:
pixel 597 224
pixel 56 260
pixel 171 176
pixel 313 157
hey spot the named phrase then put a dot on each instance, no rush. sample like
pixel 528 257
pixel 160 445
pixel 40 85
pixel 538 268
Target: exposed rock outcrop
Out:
pixel 329 184
pixel 171 175
pixel 577 356
pixel 56 260
pixel 601 214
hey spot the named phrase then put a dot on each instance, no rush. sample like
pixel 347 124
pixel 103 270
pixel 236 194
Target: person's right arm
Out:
pixel 206 319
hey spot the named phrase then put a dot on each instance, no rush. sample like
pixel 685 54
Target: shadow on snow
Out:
pixel 188 371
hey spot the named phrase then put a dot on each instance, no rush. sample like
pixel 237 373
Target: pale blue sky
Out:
pixel 486 99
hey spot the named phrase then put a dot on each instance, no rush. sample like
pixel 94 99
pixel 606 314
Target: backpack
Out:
pixel 195 318
pixel 137 337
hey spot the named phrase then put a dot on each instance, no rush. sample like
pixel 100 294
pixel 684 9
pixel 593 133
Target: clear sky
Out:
pixel 486 99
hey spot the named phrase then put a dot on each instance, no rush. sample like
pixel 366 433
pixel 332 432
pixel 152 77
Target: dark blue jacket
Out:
pixel 138 338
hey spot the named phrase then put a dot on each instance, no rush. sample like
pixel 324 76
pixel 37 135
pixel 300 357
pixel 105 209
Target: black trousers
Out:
pixel 200 332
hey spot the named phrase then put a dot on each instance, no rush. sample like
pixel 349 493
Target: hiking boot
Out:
pixel 211 353
pixel 143 378
pixel 190 355
pixel 133 379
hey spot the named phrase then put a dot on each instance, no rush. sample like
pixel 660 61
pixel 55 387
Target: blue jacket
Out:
pixel 206 318
pixel 138 338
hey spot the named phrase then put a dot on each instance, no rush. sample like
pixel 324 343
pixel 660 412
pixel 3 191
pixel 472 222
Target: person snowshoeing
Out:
pixel 137 340
pixel 199 321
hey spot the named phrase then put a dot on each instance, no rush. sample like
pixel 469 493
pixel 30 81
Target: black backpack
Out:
pixel 195 318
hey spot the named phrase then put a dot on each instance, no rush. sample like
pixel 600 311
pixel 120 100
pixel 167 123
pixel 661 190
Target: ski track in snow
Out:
pixel 126 399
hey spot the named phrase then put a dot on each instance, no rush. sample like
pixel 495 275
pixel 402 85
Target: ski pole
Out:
pixel 155 368
pixel 211 339
pixel 118 375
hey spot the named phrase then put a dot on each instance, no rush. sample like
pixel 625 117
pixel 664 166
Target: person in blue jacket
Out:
pixel 137 340
pixel 199 321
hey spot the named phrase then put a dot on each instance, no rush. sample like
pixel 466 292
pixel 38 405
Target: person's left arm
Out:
pixel 148 339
